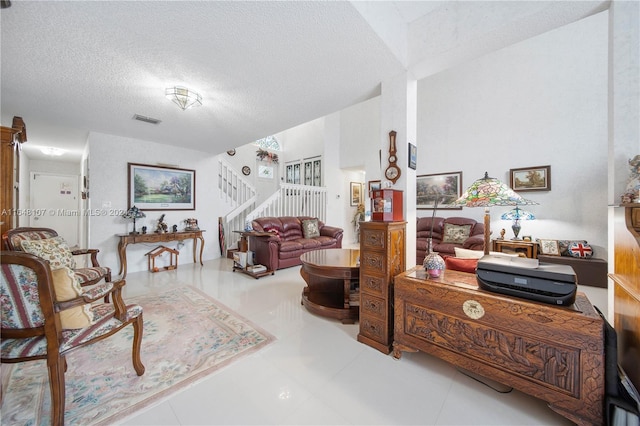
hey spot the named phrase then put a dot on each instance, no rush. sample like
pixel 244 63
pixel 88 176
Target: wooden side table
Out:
pixel 243 247
pixel 527 248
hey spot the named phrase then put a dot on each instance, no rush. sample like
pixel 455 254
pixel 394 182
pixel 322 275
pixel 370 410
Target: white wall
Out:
pixel 540 102
pixel 108 176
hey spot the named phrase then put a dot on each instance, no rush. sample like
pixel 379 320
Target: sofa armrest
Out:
pixel 475 242
pixel 331 231
pixel 266 250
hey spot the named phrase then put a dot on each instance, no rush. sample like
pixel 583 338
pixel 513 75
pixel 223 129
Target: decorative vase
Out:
pixel 433 263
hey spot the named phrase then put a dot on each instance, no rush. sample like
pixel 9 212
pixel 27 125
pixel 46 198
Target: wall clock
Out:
pixel 246 170
pixel 392 172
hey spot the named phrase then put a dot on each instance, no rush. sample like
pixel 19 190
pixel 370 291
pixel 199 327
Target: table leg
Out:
pixel 201 248
pixel 347 292
pixel 122 254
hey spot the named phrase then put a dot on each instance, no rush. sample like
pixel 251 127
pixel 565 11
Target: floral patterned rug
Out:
pixel 187 335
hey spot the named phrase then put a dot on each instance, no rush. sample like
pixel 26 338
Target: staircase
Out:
pixel 240 195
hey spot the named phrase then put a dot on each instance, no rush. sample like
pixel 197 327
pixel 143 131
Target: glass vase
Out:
pixel 433 263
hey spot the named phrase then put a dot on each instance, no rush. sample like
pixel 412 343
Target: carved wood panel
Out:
pixel 553 353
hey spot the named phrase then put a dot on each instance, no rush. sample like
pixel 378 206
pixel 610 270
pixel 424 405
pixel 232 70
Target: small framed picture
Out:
pixel 550 247
pixel 413 156
pixel 356 193
pixel 531 179
pixel 374 185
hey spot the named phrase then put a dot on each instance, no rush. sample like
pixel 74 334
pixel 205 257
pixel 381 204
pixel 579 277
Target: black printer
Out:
pixel 528 279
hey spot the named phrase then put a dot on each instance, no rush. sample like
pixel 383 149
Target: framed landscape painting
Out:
pixel 531 179
pixel 445 187
pixel 161 188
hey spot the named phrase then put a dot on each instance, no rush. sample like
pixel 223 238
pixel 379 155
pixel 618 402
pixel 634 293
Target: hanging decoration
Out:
pixel 268 156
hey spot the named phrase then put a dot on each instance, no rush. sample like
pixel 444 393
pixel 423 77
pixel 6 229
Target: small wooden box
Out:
pixel 387 205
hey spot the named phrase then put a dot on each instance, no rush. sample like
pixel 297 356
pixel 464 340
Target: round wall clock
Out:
pixel 246 170
pixel 392 172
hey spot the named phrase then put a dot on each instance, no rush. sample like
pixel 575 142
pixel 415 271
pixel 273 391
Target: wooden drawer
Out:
pixel 373 239
pixel 374 328
pixel 373 306
pixel 373 262
pixel 373 284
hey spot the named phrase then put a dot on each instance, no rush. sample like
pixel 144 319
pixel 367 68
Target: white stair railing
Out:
pixel 239 195
pixel 294 200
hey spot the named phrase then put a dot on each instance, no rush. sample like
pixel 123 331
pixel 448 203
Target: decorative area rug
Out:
pixel 187 335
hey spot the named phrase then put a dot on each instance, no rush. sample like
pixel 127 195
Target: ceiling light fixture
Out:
pixel 54 152
pixel 183 97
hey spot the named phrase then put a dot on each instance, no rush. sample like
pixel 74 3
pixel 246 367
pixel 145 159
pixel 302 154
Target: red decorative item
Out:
pixel 387 205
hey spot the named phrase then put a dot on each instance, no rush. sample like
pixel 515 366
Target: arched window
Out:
pixel 270 142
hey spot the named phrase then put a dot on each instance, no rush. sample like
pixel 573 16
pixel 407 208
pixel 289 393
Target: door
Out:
pixel 55 204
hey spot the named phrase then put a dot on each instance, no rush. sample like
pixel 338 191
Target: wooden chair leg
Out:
pixel 56 384
pixel 137 342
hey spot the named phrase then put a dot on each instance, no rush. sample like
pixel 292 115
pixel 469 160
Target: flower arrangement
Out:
pixel 264 154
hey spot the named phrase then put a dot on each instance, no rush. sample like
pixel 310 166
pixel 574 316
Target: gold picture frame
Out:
pixel 530 179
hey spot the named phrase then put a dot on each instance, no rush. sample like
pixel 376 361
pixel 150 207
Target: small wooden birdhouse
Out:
pixel 159 251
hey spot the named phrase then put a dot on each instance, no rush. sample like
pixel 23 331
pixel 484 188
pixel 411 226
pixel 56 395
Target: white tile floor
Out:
pixel 316 372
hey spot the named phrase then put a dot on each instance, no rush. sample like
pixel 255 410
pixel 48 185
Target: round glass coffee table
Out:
pixel 332 278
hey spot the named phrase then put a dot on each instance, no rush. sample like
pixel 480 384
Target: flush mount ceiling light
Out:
pixel 183 97
pixel 49 150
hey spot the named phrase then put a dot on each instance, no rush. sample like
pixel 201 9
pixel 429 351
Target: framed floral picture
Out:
pixel 549 247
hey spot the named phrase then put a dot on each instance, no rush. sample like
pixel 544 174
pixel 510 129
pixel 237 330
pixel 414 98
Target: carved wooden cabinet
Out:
pixel 550 352
pixel 382 257
pixel 12 137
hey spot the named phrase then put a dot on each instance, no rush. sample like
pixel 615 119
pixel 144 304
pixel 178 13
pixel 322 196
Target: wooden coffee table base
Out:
pixel 329 276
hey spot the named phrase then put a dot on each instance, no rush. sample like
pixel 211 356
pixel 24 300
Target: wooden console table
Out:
pixel 549 352
pixel 126 239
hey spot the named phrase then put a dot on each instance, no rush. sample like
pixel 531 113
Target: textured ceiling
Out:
pixel 69 68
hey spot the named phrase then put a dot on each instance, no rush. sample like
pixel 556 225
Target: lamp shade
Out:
pixel 517 214
pixel 134 213
pixel 486 192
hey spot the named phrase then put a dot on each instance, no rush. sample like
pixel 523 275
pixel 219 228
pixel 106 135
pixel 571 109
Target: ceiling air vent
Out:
pixel 146 119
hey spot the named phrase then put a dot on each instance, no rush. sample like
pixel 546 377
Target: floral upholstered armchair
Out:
pixel 46 315
pixel 39 240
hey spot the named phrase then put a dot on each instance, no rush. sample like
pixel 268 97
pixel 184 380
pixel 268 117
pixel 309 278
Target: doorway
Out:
pixel 55 204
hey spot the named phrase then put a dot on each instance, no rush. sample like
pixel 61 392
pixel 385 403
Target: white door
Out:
pixel 55 204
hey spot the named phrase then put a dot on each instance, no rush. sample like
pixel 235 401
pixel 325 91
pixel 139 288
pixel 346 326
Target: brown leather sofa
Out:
pixel 288 242
pixel 456 228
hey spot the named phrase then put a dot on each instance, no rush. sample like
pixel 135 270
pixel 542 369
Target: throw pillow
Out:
pixel 462 265
pixel 477 254
pixel 579 249
pixel 310 228
pixel 456 234
pixel 468 254
pixel 55 250
pixel 67 287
